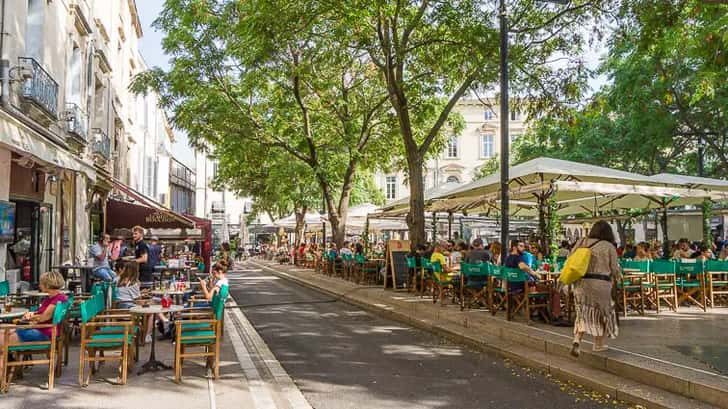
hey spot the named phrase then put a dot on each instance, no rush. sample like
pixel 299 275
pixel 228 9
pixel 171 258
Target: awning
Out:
pixel 142 211
pixel 14 135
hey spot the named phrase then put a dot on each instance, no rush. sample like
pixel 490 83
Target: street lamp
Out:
pixel 504 142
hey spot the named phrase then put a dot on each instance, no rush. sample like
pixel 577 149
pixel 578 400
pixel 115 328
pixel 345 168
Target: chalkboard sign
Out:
pixel 397 270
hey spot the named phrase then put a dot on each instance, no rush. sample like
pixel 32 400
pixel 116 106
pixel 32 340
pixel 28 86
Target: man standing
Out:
pixel 478 254
pixel 100 252
pixel 141 256
pixel 155 252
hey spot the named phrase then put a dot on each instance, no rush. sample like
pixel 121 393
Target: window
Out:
pixel 488 114
pixel 452 147
pixel 34 30
pixel 214 170
pixel 73 84
pixel 514 137
pixel 487 149
pixel 515 115
pixel 453 179
pixel 391 187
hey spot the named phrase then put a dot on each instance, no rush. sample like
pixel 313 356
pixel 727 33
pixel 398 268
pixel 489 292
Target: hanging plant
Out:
pixel 553 228
pixel 707 212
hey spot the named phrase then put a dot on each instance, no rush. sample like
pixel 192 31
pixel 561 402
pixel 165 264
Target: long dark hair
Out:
pixel 602 231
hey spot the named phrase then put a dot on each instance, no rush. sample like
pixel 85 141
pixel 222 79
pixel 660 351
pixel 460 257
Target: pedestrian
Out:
pixel 141 256
pixel 595 312
pixel 100 252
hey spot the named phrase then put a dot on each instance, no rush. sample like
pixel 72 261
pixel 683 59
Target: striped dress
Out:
pixel 595 312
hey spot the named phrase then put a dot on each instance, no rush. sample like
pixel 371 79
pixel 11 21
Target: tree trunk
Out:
pixel 621 231
pixel 300 224
pixel 543 240
pixel 416 215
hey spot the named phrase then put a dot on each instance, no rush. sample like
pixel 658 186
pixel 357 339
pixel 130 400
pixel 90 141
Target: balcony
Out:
pixel 101 144
pixel 38 87
pixel 77 122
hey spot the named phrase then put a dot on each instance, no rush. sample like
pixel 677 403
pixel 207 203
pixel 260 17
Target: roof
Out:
pixel 691 181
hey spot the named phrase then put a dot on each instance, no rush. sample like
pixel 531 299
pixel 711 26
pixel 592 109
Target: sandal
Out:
pixel 575 350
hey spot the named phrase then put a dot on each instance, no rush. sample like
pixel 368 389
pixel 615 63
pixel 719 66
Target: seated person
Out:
pixel 51 282
pixel 128 286
pixel 515 259
pixel 218 272
pixel 642 252
pixel 439 257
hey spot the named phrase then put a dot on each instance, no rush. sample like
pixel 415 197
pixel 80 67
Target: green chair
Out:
pixel 101 333
pixel 4 288
pixel 412 270
pixel 716 275
pixel 441 284
pixel 347 265
pixel 690 283
pixel 633 285
pixel 496 290
pixel 526 300
pixel 201 329
pixel 473 284
pixel 663 284
pixel 24 350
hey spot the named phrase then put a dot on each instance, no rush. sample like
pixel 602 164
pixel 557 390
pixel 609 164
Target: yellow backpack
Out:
pixel 576 265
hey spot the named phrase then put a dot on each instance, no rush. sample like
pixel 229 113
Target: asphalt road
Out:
pixel 341 356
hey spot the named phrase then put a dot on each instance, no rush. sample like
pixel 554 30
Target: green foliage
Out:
pixel 490 167
pixel 366 190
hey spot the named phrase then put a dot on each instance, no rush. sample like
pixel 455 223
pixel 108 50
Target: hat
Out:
pixel 155 238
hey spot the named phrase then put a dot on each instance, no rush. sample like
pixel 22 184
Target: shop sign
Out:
pixel 159 217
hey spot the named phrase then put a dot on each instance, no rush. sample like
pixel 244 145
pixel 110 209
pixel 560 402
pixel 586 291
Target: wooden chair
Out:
pixel 411 273
pixel 662 285
pixel 496 291
pixel 4 288
pixel 473 284
pixel 716 274
pixel 24 350
pixel 347 266
pixel 633 285
pixel 527 300
pixel 441 286
pixel 690 283
pixel 201 329
pixel 104 333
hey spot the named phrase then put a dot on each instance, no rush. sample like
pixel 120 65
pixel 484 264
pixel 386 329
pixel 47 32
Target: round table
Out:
pixel 16 312
pixel 152 364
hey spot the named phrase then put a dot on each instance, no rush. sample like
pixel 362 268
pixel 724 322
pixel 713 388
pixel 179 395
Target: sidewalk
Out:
pixel 250 377
pixel 657 361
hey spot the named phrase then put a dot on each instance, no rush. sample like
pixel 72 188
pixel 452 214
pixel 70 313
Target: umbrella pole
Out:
pixel 666 241
pixel 449 225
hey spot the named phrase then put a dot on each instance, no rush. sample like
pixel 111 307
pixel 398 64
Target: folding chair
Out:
pixel 23 350
pixel 201 329
pixel 4 288
pixel 633 285
pixel 716 274
pixel 473 284
pixel 691 283
pixel 441 286
pixel 662 285
pixel 496 291
pixel 527 300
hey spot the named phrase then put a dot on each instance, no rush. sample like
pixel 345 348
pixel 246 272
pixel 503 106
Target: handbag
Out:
pixel 576 265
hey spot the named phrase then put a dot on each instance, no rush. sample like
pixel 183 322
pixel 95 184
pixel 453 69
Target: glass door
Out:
pixel 41 240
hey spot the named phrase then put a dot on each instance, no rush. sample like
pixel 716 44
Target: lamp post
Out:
pixel 504 141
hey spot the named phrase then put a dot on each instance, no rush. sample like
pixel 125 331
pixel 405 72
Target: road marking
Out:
pixel 211 393
pixel 288 388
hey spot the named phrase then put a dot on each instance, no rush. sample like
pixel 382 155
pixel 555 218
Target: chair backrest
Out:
pixel 347 257
pixel 218 302
pixel 514 275
pixel 662 267
pixel 642 266
pixel 411 262
pixel 4 288
pixel 695 267
pixel 474 270
pixel 360 259
pixel 495 271
pixel 716 266
pixel 436 267
pixel 59 314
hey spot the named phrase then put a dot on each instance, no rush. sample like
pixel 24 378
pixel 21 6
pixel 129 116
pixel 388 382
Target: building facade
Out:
pixel 464 154
pixel 70 129
pixel 181 188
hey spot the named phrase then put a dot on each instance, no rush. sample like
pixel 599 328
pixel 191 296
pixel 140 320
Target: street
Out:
pixel 341 356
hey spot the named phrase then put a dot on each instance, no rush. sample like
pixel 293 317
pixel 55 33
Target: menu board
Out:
pixel 397 270
pixel 7 222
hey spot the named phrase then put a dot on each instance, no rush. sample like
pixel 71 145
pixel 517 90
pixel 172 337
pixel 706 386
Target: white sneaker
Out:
pixel 148 339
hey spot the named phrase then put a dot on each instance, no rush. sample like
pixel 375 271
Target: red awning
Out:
pixel 141 211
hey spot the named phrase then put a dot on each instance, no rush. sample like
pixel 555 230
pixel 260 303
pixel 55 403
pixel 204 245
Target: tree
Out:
pixel 278 75
pixel 431 53
pixel 490 167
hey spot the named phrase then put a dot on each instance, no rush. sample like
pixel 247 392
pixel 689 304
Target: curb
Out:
pixel 656 387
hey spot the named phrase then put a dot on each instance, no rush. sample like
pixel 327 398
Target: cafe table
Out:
pixel 84 273
pixel 178 296
pixel 16 312
pixel 152 365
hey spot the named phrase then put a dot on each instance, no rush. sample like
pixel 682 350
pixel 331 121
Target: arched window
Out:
pixel 34 30
pixel 73 82
pixel 453 179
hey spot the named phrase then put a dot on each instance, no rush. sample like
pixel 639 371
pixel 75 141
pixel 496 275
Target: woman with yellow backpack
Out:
pixel 595 309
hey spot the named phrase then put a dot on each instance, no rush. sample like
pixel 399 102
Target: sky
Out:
pixel 151 49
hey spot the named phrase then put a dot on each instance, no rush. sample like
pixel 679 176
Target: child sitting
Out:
pixel 128 285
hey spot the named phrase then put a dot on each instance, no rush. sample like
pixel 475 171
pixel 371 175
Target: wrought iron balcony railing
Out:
pixel 102 143
pixel 38 86
pixel 76 121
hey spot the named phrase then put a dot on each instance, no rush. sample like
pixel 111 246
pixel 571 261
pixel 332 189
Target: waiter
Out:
pixel 142 257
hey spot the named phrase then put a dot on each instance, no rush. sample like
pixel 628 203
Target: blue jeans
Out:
pixel 30 335
pixel 105 274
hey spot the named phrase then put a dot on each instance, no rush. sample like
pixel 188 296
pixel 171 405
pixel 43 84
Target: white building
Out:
pixel 226 210
pixel 70 130
pixel 464 154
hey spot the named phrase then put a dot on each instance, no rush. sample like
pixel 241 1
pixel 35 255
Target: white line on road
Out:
pixel 211 393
